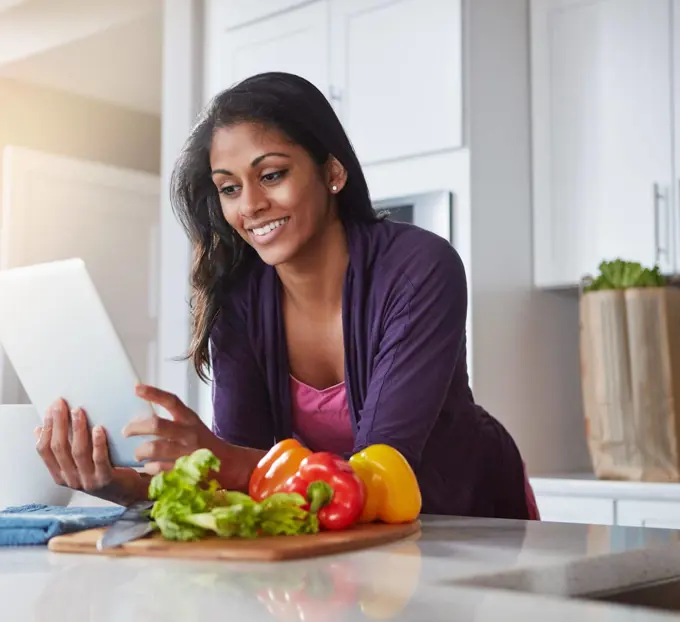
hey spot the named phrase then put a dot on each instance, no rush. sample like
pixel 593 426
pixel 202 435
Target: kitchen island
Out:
pixel 456 569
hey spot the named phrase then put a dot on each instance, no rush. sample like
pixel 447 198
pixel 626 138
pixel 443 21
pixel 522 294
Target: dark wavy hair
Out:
pixel 300 111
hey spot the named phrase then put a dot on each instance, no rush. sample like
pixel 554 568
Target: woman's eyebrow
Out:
pixel 255 162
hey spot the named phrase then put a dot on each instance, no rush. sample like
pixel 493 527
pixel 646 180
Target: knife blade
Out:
pixel 131 525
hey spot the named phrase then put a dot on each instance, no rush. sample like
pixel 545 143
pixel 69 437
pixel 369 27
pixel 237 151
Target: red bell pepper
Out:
pixel 332 488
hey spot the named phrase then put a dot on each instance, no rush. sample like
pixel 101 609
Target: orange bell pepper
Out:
pixel 280 463
pixel 392 491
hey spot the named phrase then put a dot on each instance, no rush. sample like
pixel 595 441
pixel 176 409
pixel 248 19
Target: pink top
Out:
pixel 321 421
pixel 321 417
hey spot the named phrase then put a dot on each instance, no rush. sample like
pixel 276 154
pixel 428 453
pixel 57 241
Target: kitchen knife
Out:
pixel 132 525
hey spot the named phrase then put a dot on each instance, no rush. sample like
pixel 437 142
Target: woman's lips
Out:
pixel 268 232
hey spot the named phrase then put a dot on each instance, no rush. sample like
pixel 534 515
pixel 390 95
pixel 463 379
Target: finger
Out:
pixel 61 446
pixel 153 468
pixel 44 449
pixel 103 471
pixel 160 451
pixel 81 449
pixel 155 426
pixel 169 401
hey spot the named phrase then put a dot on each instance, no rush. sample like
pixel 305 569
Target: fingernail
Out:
pixel 48 420
pixel 151 468
pixel 75 413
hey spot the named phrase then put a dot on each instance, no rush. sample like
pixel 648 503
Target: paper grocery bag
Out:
pixel 630 373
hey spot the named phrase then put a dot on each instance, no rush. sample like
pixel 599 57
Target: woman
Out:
pixel 319 320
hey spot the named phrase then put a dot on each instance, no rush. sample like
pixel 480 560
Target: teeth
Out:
pixel 270 226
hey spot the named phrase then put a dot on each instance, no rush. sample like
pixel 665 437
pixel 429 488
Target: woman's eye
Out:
pixel 228 190
pixel 275 176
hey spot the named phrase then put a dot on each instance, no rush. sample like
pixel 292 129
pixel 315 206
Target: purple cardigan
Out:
pixel 404 312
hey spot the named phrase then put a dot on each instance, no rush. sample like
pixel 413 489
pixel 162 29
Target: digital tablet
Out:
pixel 59 338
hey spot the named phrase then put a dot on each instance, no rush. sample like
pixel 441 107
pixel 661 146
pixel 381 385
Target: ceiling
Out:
pixel 114 56
pixel 6 4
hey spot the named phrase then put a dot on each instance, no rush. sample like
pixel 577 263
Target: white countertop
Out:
pixel 450 572
pixel 587 485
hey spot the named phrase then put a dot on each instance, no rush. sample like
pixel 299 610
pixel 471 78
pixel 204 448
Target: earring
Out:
pixel 334 188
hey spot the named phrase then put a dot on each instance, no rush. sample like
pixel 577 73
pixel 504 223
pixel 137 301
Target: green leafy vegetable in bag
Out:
pixel 619 274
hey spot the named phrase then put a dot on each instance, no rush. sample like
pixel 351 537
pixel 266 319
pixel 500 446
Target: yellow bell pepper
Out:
pixel 392 491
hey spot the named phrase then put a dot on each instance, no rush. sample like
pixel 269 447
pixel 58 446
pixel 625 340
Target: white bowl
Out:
pixel 24 478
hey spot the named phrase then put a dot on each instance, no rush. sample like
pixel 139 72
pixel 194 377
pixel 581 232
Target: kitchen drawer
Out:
pixel 655 514
pixel 568 509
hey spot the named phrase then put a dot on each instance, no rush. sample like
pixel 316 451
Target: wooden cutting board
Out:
pixel 262 549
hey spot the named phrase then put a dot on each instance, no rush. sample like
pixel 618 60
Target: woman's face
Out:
pixel 271 191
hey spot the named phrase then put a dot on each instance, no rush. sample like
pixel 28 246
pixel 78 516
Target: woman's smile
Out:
pixel 266 231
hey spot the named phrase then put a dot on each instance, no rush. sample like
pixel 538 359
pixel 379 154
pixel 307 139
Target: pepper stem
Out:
pixel 319 494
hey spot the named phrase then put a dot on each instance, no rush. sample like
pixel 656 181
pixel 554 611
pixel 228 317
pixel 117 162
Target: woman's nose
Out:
pixel 254 200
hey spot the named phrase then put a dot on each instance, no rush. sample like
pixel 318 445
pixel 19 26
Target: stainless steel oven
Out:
pixel 430 210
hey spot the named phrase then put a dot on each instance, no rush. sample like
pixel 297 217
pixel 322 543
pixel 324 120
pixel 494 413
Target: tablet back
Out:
pixel 59 338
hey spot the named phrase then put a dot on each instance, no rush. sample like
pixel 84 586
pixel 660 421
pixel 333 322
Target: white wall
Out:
pixel 526 364
pixel 182 86
pixel 61 123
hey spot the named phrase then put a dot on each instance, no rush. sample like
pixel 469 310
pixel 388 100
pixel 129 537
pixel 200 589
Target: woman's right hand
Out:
pixel 82 462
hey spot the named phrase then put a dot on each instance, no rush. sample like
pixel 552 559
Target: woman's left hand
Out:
pixel 178 437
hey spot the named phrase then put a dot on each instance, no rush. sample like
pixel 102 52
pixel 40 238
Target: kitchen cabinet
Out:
pixel 233 13
pixel 655 514
pixel 602 117
pixel 294 41
pixel 365 56
pixel 584 499
pixel 584 510
pixel 400 87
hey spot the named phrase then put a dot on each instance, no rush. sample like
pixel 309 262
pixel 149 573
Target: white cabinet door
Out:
pixel 295 42
pixel 397 65
pixel 227 14
pixel 653 514
pixel 601 83
pixel 568 509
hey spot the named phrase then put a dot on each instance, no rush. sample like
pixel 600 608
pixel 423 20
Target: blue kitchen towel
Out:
pixel 37 523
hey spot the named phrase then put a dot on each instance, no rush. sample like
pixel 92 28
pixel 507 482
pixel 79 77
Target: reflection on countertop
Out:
pixel 449 572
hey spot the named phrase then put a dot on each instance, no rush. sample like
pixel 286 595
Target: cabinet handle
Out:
pixel 661 250
pixel 335 94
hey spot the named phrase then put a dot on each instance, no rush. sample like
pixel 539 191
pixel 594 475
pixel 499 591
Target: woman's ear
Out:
pixel 336 175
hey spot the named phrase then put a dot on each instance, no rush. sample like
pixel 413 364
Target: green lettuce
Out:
pixel 283 514
pixel 189 505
